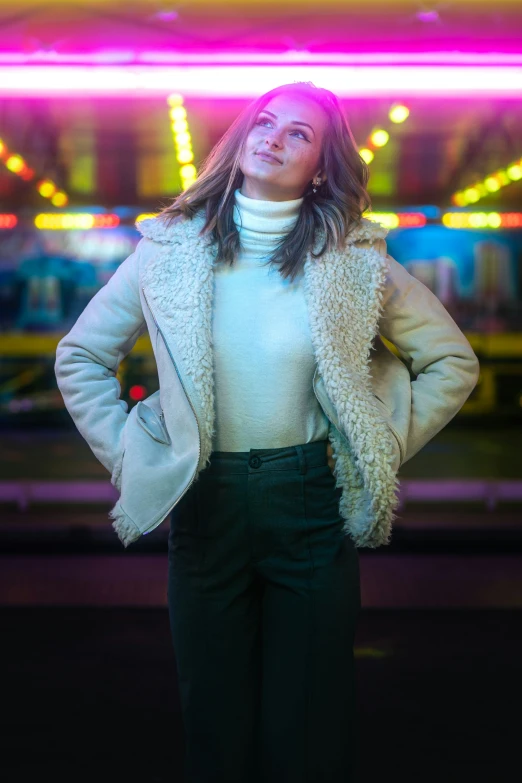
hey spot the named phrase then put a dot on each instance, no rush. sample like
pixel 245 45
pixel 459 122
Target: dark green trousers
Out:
pixel 264 596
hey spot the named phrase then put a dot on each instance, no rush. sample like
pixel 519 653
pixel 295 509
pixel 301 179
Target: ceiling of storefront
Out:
pixel 444 145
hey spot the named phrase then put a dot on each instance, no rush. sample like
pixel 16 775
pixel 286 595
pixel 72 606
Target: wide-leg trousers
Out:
pixel 263 597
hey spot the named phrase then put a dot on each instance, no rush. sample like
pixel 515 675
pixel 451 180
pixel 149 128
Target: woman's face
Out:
pixel 290 128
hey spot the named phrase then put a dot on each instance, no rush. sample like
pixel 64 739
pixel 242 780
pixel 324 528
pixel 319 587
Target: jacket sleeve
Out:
pixel 88 357
pixel 435 350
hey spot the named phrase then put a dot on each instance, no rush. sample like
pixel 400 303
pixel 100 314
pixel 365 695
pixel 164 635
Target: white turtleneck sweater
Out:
pixel 263 356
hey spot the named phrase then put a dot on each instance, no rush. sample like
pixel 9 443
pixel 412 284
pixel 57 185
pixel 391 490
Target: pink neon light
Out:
pixel 201 81
pixel 291 57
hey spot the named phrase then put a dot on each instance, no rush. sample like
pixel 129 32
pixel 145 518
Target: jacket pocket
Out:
pixel 393 430
pixel 150 416
pixel 391 387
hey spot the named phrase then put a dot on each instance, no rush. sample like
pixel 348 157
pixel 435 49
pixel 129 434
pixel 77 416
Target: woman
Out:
pixel 277 432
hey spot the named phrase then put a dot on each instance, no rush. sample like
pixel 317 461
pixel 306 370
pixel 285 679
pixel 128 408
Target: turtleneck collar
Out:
pixel 262 224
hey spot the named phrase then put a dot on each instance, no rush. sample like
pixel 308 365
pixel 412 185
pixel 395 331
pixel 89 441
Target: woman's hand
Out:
pixel 331 458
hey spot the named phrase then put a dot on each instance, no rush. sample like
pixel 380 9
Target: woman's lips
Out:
pixel 269 158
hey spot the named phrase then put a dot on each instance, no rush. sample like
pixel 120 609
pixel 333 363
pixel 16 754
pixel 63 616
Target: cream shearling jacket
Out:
pixel 382 409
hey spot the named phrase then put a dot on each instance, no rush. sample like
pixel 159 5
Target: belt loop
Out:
pixel 302 459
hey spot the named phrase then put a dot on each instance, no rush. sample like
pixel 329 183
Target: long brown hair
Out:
pixel 333 212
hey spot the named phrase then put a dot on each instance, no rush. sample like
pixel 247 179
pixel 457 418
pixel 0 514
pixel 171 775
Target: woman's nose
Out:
pixel 273 140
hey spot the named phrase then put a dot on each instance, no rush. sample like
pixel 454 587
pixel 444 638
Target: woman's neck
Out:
pixel 264 222
pixel 263 192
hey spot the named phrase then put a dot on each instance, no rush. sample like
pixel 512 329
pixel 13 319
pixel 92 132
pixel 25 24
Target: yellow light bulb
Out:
pixel 471 195
pixel 492 184
pixel 366 154
pixel 59 199
pixel 380 138
pixel 189 170
pixel 178 113
pixel 185 156
pixel 494 220
pixel 46 188
pixel 459 200
pixel 399 113
pixel 514 172
pixel 183 139
pixel 180 126
pixel 15 163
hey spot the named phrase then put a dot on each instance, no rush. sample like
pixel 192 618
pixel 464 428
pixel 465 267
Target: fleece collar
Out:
pixel 158 230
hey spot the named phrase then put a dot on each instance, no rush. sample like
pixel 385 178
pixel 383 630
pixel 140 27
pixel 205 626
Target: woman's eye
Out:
pixel 264 122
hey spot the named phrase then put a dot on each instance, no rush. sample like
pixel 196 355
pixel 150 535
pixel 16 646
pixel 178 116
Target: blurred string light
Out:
pixel 17 165
pixel 398 219
pixel 182 139
pixel 391 220
pixel 75 220
pixel 398 113
pixel 490 184
pixel 8 221
pixel 482 219
pixel 48 189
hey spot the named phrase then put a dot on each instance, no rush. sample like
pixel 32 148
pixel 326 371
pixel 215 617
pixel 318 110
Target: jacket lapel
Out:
pixel 178 281
pixel 344 292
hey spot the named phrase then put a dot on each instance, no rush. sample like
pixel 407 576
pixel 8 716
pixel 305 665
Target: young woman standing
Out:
pixel 277 433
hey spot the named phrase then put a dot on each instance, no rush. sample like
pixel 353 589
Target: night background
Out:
pixel 107 110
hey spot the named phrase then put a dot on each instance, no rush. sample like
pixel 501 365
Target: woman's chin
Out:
pixel 265 175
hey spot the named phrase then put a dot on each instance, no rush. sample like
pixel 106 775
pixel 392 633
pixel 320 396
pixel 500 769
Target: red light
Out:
pixel 511 219
pixel 8 221
pixel 137 392
pixel 106 221
pixel 411 219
